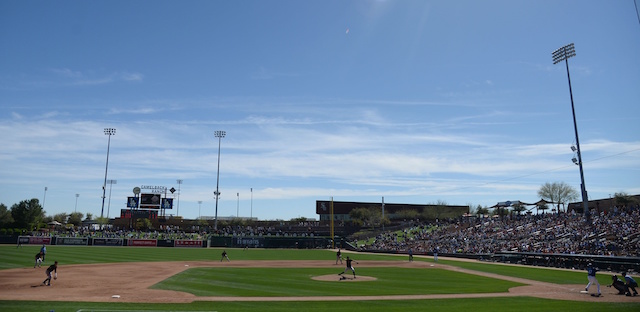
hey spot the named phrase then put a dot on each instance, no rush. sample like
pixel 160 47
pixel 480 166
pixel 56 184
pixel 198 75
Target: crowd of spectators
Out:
pixel 276 229
pixel 301 229
pixel 616 234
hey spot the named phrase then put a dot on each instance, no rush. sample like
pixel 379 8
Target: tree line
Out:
pixel 28 215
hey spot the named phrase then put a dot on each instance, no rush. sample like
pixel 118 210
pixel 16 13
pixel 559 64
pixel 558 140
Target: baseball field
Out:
pixel 194 279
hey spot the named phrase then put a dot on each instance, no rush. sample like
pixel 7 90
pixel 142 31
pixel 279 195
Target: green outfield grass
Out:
pixel 296 282
pixel 281 282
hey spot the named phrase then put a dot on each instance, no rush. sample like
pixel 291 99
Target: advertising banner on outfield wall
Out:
pixel 142 242
pixel 188 243
pixel 77 241
pixel 34 240
pixel 108 242
pixel 251 242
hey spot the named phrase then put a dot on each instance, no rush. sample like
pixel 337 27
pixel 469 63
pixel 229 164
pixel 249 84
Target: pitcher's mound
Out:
pixel 341 278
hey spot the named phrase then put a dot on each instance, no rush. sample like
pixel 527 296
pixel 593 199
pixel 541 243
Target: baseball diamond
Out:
pixel 133 282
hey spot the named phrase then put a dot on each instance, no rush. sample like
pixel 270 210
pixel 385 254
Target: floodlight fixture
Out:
pixel 562 54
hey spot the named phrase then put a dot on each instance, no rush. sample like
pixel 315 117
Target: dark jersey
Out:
pixel 591 271
pixel 38 256
pixel 52 268
pixel 349 263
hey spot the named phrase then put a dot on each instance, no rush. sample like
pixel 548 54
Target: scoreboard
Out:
pixel 138 214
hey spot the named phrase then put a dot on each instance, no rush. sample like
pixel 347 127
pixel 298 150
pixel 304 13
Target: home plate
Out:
pixel 584 292
pixel 115 296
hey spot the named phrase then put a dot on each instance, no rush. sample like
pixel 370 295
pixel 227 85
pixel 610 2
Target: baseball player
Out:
pixel 338 257
pixel 631 285
pixel 618 284
pixel 38 260
pixel 224 256
pixel 43 251
pixel 591 276
pixel 52 268
pixel 349 267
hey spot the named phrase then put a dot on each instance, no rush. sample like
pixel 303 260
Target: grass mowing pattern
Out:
pixel 283 282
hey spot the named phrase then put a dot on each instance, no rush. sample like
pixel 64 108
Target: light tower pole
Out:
pixel 559 55
pixel 111 183
pixel 179 181
pixel 218 134
pixel 109 132
pixel 199 205
pixel 45 196
pixel 76 208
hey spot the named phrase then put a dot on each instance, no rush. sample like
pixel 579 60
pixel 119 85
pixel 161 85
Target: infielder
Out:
pixel 349 267
pixel 224 256
pixel 38 260
pixel 52 268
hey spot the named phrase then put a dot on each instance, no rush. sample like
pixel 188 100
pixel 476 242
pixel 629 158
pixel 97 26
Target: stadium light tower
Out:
pixel 559 55
pixel 218 134
pixel 109 132
pixel 76 208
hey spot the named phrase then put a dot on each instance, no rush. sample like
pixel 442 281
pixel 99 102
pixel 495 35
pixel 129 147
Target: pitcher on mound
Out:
pixel 349 267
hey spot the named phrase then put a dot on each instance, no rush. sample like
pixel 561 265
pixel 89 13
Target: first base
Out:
pixel 584 292
pixel 115 296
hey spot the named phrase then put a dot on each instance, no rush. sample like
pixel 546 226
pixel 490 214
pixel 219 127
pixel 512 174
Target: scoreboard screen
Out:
pixel 150 201
pixel 138 214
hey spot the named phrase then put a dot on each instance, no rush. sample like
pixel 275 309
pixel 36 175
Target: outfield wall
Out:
pixel 100 241
pixel 270 242
pixel 213 241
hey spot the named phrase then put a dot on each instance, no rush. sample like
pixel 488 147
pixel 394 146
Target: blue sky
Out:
pixel 417 101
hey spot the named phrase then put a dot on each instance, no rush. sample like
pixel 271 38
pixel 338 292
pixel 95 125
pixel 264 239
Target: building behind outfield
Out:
pixel 341 210
pixel 607 205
